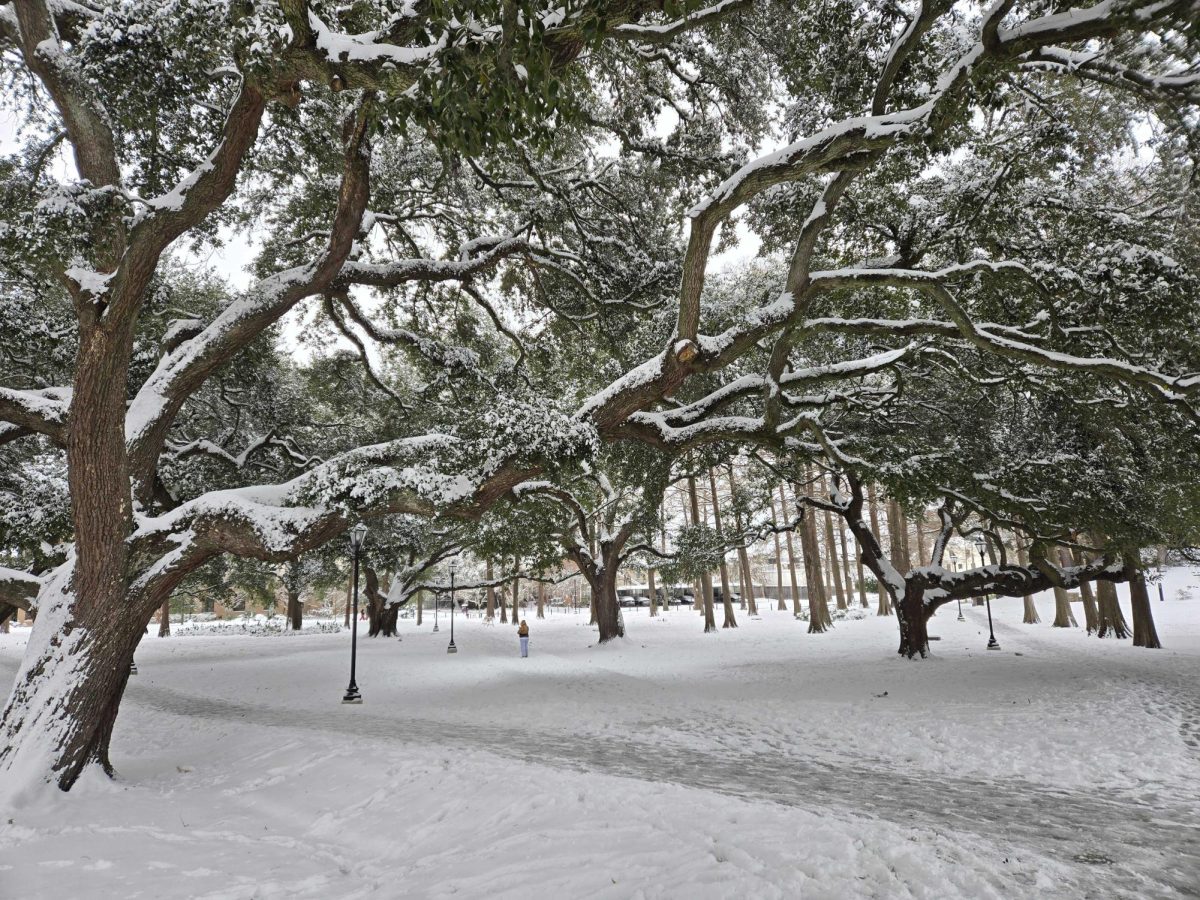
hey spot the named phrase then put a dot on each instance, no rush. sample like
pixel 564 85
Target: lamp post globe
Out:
pixel 453 572
pixel 358 534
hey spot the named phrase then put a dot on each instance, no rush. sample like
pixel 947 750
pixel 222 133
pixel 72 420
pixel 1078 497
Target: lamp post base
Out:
pixel 452 648
pixel 352 695
pixel 132 668
pixel 435 629
pixel 993 644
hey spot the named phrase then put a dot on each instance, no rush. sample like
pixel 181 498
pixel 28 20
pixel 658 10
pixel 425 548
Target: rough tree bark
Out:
pixel 1111 621
pixel 819 619
pixel 1144 632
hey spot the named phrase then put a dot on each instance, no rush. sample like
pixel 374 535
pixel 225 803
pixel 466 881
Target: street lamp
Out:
pixel 358 534
pixel 993 644
pixel 453 570
pixel 954 567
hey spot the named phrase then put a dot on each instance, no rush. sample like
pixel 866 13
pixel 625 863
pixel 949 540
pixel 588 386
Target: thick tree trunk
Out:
pixel 420 607
pixel 818 610
pixel 389 619
pixel 1090 615
pixel 919 528
pixel 1063 617
pixel 1031 616
pixel 295 610
pixel 541 600
pixel 605 610
pixel 1144 632
pixel 1111 621
pixel 914 633
pixel 885 604
pixel 374 604
pixel 60 715
pixel 516 599
pixel 650 583
pixel 164 619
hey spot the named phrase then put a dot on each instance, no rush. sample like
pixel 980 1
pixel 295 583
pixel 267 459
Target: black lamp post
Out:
pixel 437 601
pixel 954 566
pixel 453 570
pixel 357 535
pixel 992 644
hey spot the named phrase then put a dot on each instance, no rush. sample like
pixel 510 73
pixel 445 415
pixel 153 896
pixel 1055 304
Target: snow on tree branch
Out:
pixel 44 411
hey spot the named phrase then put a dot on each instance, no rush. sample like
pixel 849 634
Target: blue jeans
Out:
pixel 525 646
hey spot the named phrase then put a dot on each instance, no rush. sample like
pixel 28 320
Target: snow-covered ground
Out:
pixel 762 762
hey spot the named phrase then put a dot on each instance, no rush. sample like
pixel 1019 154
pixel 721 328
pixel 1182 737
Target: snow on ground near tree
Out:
pixel 761 763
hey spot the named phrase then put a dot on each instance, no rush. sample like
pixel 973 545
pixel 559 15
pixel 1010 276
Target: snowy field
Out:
pixel 757 763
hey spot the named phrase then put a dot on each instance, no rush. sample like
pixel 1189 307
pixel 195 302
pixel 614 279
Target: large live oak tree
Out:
pixel 464 79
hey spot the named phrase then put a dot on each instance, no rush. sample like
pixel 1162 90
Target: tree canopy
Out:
pixel 490 265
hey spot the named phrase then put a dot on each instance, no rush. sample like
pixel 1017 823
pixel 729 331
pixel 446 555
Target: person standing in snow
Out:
pixel 523 634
